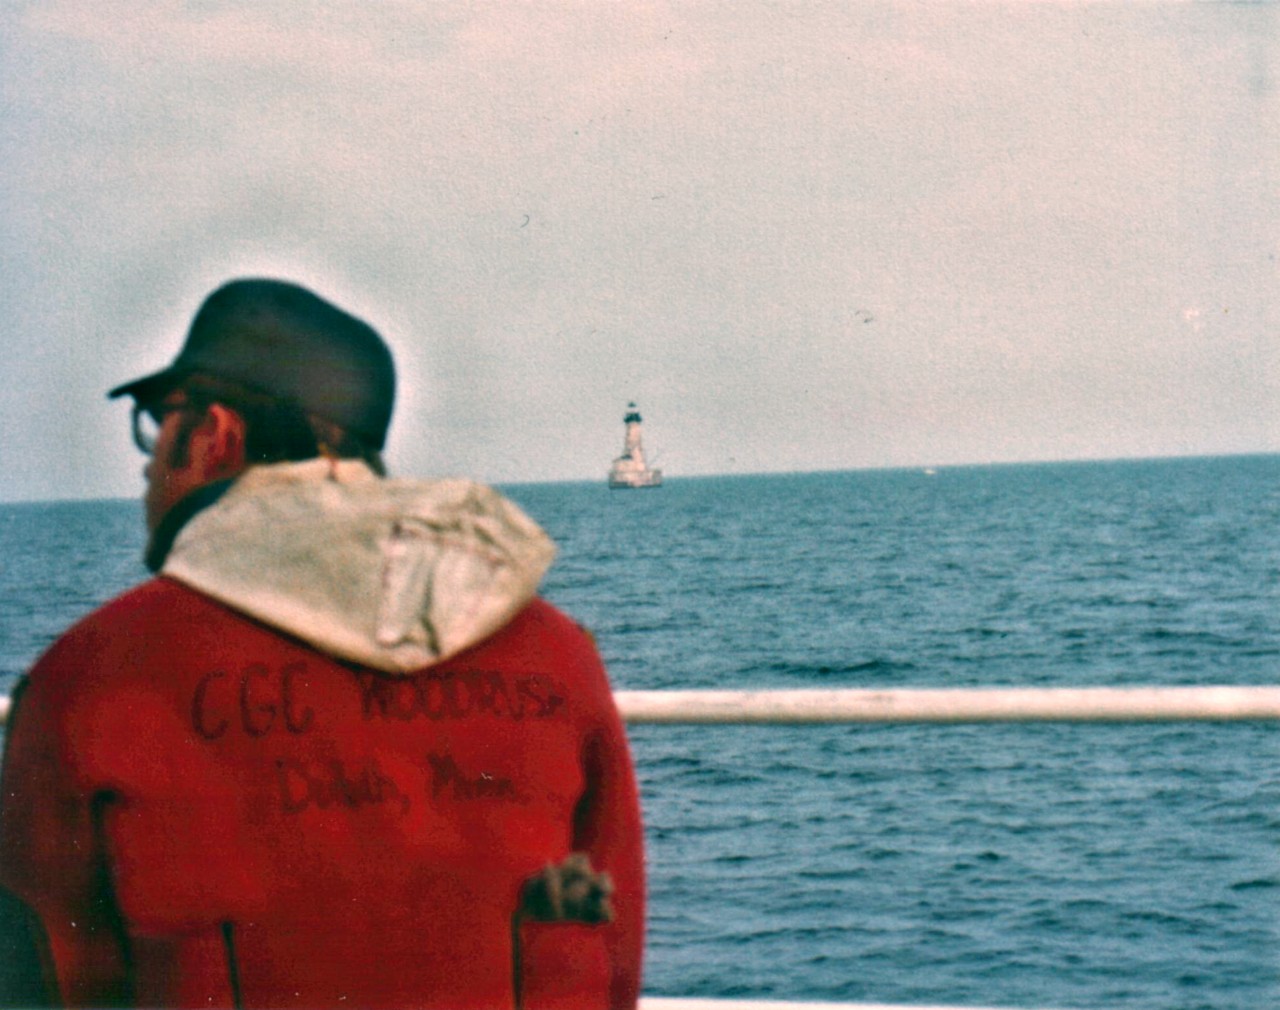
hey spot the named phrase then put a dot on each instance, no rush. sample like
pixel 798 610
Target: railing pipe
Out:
pixel 954 705
pixel 682 1003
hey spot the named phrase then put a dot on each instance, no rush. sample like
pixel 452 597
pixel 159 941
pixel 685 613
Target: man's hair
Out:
pixel 276 430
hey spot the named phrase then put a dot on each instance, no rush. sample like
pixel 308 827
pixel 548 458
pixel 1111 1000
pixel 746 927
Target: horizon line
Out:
pixel 677 478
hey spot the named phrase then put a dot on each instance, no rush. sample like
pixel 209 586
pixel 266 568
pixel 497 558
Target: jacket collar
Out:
pixel 177 517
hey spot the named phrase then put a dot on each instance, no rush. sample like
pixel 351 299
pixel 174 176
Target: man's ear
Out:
pixel 217 444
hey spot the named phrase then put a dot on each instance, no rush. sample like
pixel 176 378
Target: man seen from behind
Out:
pixel 337 752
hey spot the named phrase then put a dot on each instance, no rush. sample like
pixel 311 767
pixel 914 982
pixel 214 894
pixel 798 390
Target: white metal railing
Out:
pixel 681 1003
pixel 954 705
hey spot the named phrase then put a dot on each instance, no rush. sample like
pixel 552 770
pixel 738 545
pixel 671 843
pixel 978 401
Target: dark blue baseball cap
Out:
pixel 285 341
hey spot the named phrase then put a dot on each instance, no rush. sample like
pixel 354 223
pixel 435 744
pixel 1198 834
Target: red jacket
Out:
pixel 203 811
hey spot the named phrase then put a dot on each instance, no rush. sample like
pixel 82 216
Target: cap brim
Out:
pixel 149 387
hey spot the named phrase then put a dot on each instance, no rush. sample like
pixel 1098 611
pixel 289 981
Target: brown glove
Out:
pixel 570 892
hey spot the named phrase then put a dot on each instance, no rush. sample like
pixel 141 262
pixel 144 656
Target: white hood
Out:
pixel 392 574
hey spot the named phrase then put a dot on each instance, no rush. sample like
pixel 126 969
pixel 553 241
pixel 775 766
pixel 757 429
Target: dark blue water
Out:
pixel 1021 866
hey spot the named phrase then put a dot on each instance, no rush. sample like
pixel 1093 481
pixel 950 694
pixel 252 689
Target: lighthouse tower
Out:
pixel 630 469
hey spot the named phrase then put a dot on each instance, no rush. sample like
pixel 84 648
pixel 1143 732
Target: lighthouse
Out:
pixel 630 469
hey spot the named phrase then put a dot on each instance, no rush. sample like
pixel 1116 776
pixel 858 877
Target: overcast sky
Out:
pixel 801 235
